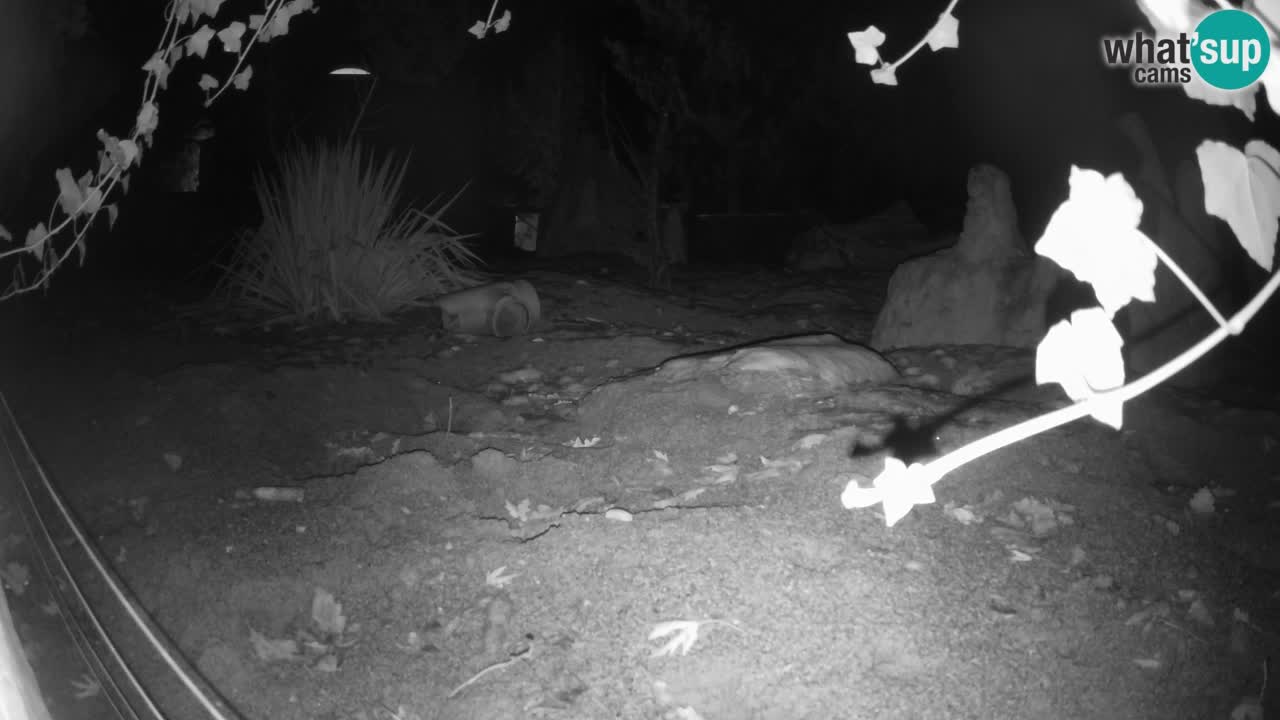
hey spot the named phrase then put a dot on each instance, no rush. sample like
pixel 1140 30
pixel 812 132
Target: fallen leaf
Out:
pixel 684 633
pixel 173 460
pixel 326 613
pixel 87 686
pixel 269 650
pixel 497 579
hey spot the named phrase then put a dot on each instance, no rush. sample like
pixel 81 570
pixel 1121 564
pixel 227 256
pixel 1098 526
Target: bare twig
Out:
pixel 526 655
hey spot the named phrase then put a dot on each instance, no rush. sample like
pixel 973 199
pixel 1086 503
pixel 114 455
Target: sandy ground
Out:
pixel 523 513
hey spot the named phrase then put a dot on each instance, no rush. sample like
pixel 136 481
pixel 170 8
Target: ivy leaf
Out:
pixel 183 11
pixel 479 29
pixel 866 44
pixel 231 35
pixel 885 75
pixel 946 34
pixel 1271 81
pixel 148 118
pixel 1095 235
pixel 268 28
pixel 1083 355
pixel 107 158
pixel 280 21
pixel 241 79
pixel 204 7
pixel 92 200
pixel 898 487
pixel 35 239
pixel 1269 12
pixel 159 68
pixel 1243 188
pixel 1171 19
pixel 4 235
pixel 112 213
pixel 1245 99
pixel 128 152
pixel 198 43
pixel 208 82
pixel 502 23
pixel 1268 9
pixel 1172 16
pixel 69 197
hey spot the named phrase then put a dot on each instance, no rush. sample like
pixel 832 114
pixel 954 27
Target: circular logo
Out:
pixel 1231 49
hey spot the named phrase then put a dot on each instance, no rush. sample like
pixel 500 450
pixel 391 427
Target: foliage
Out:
pixel 411 43
pixel 81 199
pixel 525 91
pixel 481 28
pixel 1094 234
pixel 335 244
pixel 719 72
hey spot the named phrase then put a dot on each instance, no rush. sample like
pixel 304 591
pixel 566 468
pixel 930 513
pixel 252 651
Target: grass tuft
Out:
pixel 335 245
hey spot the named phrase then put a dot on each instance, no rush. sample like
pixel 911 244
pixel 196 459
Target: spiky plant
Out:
pixel 334 242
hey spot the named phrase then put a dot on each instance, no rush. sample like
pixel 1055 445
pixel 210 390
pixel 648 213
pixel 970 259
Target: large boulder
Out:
pixel 1175 219
pixel 987 290
pixel 881 241
pixel 789 367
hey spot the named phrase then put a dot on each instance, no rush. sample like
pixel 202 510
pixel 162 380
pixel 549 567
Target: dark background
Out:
pixel 784 120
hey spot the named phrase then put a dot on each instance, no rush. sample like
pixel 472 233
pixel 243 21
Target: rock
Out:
pixel 880 241
pixel 802 366
pixel 1176 220
pixel 728 400
pixel 991 221
pixel 987 290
